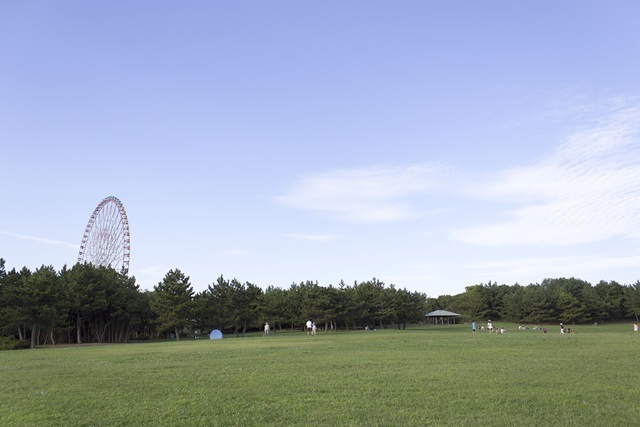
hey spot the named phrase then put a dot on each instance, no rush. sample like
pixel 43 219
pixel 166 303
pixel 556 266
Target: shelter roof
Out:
pixel 439 313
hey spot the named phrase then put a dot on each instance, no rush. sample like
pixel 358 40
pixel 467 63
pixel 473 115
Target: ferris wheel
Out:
pixel 106 239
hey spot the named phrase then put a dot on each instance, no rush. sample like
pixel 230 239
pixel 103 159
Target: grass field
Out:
pixel 424 376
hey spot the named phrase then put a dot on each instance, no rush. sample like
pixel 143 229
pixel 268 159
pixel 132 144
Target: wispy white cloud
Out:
pixel 587 190
pixel 365 195
pixel 41 240
pixel 315 237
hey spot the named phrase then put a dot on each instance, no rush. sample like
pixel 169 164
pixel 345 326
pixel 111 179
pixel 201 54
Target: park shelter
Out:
pixel 215 334
pixel 442 317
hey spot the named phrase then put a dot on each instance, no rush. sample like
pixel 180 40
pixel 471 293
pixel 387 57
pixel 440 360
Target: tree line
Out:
pixel 97 304
pixel 567 300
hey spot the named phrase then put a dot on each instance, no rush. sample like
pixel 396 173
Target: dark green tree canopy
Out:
pixel 173 302
pixel 567 300
pixel 87 303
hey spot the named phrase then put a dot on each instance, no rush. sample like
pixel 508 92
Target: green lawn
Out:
pixel 418 377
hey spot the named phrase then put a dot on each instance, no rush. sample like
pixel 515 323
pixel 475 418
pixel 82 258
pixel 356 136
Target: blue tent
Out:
pixel 215 334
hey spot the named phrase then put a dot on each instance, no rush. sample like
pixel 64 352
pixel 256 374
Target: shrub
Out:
pixel 11 343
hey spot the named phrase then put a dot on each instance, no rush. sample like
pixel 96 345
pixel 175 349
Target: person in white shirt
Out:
pixel 266 330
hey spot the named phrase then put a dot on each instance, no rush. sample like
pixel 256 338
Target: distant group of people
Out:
pixel 311 328
pixel 564 330
pixel 490 328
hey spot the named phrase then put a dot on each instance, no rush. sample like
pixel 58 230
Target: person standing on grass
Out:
pixel 635 327
pixel 309 327
pixel 473 327
pixel 313 329
pixel 490 326
pixel 266 330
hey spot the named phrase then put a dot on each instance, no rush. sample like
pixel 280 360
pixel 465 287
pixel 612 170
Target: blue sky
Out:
pixel 432 145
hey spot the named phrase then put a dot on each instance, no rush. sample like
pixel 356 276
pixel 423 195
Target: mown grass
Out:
pixel 419 377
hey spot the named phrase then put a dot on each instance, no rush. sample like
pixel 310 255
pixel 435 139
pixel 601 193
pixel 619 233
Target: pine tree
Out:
pixel 173 302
